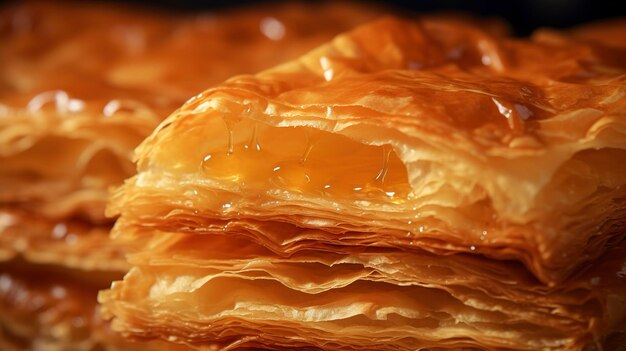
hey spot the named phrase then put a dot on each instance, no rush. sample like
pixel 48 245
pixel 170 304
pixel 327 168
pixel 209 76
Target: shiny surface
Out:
pixel 68 243
pixel 48 308
pixel 490 139
pixel 192 288
pixel 81 84
pixel 411 184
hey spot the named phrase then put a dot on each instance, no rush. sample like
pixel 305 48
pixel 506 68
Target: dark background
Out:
pixel 524 16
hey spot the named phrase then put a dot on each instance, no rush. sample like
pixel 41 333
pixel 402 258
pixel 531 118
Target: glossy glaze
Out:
pixel 428 184
pixel 485 135
pixel 81 84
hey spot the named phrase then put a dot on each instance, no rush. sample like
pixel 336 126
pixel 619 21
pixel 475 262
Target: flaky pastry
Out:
pixel 81 85
pixel 410 185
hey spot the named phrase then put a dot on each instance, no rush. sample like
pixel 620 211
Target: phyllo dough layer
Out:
pixel 52 309
pixel 426 184
pixel 382 131
pixel 224 289
pixel 81 85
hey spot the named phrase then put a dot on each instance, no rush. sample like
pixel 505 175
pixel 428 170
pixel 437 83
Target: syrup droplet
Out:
pixel 523 111
pixel 326 68
pixel 380 177
pixel 58 292
pixel 129 106
pixel 60 98
pixel 5 283
pixel 253 144
pixel 483 235
pixel 59 231
pixel 375 186
pixel 490 55
pixel 311 139
pixel 231 147
pixel 272 28
pixel 512 116
pixel 223 166
pixel 293 175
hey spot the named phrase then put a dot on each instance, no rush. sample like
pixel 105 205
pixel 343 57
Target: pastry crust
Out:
pixel 411 184
pixel 223 289
pixel 515 149
pixel 80 86
pixel 74 244
pixel 48 308
pixel 78 100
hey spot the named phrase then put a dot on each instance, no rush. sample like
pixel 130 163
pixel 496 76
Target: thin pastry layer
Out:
pixel 44 308
pixel 83 84
pixel 222 289
pixel 410 185
pixel 86 83
pixel 73 244
pixel 485 151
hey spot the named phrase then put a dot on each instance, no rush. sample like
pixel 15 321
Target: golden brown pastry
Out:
pixel 81 84
pixel 48 308
pixel 410 185
pixel 71 115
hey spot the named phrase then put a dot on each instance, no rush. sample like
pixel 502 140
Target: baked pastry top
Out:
pixel 411 184
pixel 81 85
pixel 433 134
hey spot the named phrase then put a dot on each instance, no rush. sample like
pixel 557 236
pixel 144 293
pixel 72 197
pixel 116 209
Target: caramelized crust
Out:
pixel 410 185
pixel 70 243
pixel 45 308
pixel 493 152
pixel 86 83
pixel 206 289
pixel 80 86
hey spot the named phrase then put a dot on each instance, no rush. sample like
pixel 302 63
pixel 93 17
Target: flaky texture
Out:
pixel 86 83
pixel 70 243
pixel 411 185
pixel 81 85
pixel 43 308
pixel 488 142
pixel 222 289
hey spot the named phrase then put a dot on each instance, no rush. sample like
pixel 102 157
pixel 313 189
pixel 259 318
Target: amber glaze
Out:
pixel 489 144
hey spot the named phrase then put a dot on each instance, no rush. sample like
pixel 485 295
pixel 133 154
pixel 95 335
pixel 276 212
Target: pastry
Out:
pixel 81 84
pixel 411 184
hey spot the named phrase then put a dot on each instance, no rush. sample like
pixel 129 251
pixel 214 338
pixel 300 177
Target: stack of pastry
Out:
pixel 410 185
pixel 80 86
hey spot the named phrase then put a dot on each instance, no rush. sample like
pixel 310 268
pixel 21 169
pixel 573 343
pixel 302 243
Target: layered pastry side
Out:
pixel 428 184
pixel 81 85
